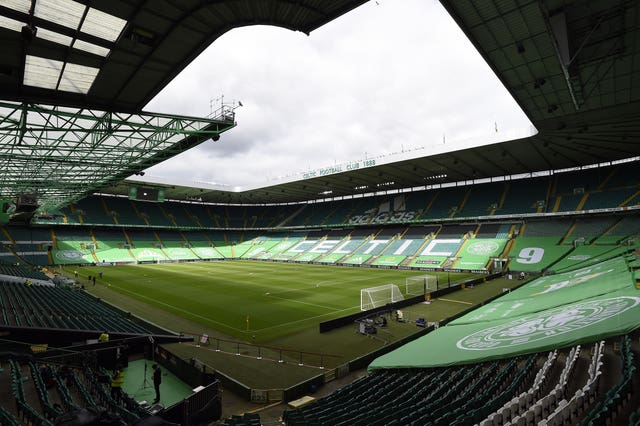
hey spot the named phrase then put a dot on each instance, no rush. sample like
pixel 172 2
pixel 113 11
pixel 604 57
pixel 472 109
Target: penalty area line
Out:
pixel 300 301
pixel 298 321
pixel 454 301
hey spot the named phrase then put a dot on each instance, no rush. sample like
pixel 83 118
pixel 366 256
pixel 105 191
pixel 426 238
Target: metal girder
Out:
pixel 61 154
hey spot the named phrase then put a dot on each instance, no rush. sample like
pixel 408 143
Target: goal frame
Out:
pixel 420 285
pixel 390 294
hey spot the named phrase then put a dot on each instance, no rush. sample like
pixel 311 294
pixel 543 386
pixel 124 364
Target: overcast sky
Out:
pixel 388 77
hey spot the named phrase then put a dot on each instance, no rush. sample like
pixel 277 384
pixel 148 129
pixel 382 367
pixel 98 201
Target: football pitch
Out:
pixel 251 300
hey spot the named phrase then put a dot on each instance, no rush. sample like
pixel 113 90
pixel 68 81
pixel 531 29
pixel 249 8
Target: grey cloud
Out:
pixel 380 78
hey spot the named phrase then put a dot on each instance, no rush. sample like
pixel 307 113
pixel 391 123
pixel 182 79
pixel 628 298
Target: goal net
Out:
pixel 374 297
pixel 422 284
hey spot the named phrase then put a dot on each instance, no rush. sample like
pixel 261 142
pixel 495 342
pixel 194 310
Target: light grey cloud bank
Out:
pixel 382 78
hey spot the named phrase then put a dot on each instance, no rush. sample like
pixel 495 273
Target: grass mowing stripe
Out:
pixel 222 294
pixel 299 321
pixel 300 301
pixel 176 308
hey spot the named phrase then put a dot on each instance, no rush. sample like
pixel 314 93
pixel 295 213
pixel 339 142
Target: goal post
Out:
pixel 374 297
pixel 420 285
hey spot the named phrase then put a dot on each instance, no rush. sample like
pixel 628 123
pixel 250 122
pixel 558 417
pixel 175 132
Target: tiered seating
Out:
pixel 608 198
pixel 146 246
pixel 482 200
pixel 587 179
pixel 535 254
pixel 477 252
pixel 94 210
pixel 152 214
pixel 174 245
pixel 26 413
pixel 610 187
pixel 72 246
pixel 588 229
pixel 315 213
pixel 397 251
pixel 28 245
pixel 587 255
pixel 45 392
pixel 567 202
pixel 547 228
pixel 234 217
pixel 442 396
pixel 416 202
pixel 178 214
pixel 525 196
pixel 445 203
pixel 494 230
pixel 202 245
pixel 23 271
pixel 111 246
pixel 123 211
pixel 605 409
pixel 440 252
pixel 626 227
pixel 537 389
pixel 622 175
pixel 54 307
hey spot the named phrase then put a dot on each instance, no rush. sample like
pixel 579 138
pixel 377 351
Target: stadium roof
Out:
pixel 75 76
pixel 117 55
pixel 572 65
pixel 56 155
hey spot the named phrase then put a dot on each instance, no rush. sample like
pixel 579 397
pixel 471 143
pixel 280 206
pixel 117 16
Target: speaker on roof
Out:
pixel 26 203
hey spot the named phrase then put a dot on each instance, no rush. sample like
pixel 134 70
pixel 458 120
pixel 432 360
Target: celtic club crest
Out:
pixel 543 325
pixel 483 247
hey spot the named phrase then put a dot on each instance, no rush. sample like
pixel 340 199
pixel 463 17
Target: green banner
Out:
pixel 554 311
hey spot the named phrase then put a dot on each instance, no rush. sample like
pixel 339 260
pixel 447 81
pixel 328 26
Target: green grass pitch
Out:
pixel 243 299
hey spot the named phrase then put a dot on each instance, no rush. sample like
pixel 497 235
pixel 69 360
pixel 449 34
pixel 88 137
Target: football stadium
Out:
pixel 496 284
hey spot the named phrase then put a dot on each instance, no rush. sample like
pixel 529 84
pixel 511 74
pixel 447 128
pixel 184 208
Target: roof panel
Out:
pixel 91 48
pixel 41 72
pixel 67 13
pixel 10 24
pixel 18 5
pixel 102 25
pixel 77 78
pixel 53 36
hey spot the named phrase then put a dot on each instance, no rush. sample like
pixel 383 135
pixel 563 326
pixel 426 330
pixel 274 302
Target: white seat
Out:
pixel 537 411
pixel 530 418
pixel 514 409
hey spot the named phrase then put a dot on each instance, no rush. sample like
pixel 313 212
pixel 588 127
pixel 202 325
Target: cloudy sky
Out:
pixel 384 78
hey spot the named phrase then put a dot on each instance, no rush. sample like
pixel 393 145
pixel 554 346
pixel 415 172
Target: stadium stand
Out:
pixel 43 306
pixel 525 196
pixel 482 200
pixel 48 393
pixel 526 390
pixel 577 228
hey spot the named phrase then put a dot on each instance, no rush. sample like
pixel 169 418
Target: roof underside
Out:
pixel 59 154
pixel 75 75
pixel 117 55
